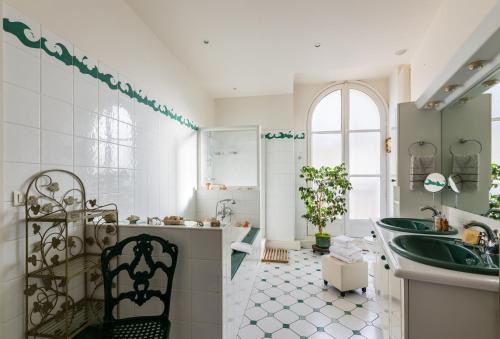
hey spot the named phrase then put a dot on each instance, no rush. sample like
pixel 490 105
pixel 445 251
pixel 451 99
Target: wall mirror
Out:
pixel 229 157
pixel 471 149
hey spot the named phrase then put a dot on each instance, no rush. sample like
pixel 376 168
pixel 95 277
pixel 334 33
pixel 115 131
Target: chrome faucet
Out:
pixel 222 210
pixel 491 244
pixel 435 212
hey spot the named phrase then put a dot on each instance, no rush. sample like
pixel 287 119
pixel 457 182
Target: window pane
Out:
pixel 364 199
pixel 326 149
pixel 327 113
pixel 363 112
pixel 495 101
pixel 364 153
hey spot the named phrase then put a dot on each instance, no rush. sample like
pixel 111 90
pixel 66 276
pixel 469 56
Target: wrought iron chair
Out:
pixel 157 327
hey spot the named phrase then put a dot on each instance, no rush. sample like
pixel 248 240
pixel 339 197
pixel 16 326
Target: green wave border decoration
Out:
pixel 285 135
pixel 19 29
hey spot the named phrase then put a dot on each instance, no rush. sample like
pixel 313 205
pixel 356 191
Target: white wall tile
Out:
pixel 89 176
pixel 108 180
pixel 108 129
pixel 126 157
pixel 126 104
pixel 13 256
pixel 21 68
pixel 12 298
pixel 86 90
pixel 206 275
pixel 126 134
pixel 21 144
pixel 16 177
pixel 86 152
pixel 108 98
pixel 57 148
pixel 86 124
pixel 56 115
pixel 13 226
pixel 21 106
pixel 14 329
pixel 206 306
pixel 108 154
pixel 57 79
pixel 206 245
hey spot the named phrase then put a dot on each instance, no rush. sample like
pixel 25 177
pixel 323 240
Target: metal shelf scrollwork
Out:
pixel 65 234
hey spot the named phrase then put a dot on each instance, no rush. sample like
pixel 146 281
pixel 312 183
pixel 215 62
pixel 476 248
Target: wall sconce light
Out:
pixel 475 65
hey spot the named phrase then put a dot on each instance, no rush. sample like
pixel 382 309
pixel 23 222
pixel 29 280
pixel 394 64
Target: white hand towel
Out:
pixel 467 167
pixel 343 241
pixel 420 167
pixel 346 252
pixel 242 247
pixel 348 260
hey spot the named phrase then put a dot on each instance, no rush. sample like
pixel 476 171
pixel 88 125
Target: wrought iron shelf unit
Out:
pixel 73 216
pixel 63 275
pixel 55 327
pixel 75 266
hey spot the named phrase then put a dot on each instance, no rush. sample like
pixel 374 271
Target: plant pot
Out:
pixel 323 240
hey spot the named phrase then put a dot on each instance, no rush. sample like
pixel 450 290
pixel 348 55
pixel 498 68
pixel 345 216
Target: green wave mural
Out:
pixel 285 135
pixel 20 30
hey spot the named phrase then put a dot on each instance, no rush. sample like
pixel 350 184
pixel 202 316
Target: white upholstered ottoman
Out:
pixel 344 276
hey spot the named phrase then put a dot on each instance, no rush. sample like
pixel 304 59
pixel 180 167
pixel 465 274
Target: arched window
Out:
pixel 347 125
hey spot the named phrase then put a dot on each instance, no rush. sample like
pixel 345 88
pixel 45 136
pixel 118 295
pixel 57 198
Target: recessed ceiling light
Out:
pixel 450 88
pixel 206 42
pixel 401 51
pixel 476 65
pixel 489 83
pixel 235 88
pixel 317 45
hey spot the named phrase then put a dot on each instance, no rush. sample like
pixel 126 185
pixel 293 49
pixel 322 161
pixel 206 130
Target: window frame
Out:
pixel 382 107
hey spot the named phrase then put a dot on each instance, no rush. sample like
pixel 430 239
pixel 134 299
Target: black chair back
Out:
pixel 140 291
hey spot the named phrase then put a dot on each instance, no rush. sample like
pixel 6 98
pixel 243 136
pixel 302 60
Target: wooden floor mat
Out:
pixel 278 255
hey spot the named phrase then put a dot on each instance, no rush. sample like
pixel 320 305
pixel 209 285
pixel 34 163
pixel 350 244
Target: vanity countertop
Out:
pixel 409 269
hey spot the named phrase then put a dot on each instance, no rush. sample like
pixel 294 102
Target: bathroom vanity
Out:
pixel 423 301
pixel 211 285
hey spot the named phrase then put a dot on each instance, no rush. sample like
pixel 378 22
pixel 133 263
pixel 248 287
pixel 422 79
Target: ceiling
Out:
pixel 261 47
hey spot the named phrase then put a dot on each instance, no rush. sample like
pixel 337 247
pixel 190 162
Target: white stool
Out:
pixel 344 276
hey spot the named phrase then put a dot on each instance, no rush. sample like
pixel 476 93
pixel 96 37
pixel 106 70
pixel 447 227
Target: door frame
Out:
pixel 345 225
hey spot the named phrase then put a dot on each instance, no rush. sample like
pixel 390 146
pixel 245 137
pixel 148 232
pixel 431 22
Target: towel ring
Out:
pixel 422 143
pixel 464 141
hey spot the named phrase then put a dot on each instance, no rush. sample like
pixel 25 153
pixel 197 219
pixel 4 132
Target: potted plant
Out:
pixel 324 197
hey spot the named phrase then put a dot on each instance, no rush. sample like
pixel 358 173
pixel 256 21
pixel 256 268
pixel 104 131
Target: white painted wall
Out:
pixel 453 24
pixel 269 111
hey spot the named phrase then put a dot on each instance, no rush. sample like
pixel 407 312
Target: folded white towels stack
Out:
pixel 344 249
pixel 343 241
pixel 242 247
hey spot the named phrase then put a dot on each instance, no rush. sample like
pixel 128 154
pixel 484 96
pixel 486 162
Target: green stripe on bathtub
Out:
pixel 20 30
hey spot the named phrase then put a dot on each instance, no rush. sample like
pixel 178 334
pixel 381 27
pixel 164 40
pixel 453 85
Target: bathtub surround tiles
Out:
pixel 290 301
pixel 64 109
pixel 246 207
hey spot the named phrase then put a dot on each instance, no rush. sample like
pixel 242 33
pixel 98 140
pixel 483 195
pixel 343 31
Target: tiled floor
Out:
pixel 289 301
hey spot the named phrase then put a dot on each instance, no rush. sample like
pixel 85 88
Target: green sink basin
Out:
pixel 446 253
pixel 411 225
